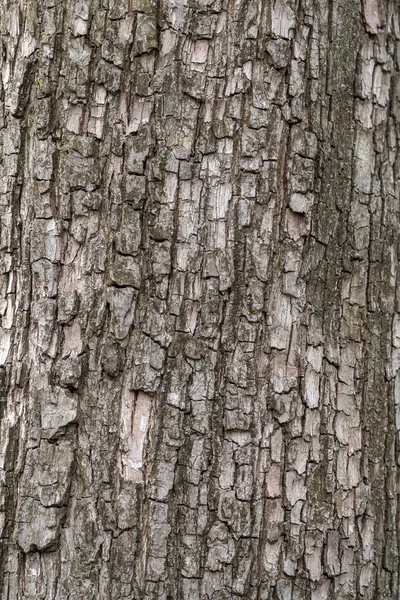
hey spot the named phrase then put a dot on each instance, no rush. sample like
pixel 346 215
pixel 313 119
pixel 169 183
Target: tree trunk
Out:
pixel 200 335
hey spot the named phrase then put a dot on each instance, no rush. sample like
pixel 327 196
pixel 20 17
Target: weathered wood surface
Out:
pixel 200 334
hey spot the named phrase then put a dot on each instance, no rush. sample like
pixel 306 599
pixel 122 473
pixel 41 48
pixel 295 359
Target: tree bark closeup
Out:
pixel 199 299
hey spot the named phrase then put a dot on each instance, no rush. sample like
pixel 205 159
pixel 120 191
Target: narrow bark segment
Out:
pixel 200 334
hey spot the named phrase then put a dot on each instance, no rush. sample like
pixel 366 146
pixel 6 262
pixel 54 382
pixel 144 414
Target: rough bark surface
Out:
pixel 200 334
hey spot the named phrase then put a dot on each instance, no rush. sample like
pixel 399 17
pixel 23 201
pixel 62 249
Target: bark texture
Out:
pixel 199 293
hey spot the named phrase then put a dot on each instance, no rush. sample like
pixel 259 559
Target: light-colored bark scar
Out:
pixel 371 15
pixel 135 416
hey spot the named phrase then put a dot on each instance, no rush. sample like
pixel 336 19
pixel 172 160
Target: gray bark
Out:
pixel 200 334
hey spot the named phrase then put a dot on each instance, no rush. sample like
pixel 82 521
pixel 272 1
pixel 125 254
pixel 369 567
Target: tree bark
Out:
pixel 200 335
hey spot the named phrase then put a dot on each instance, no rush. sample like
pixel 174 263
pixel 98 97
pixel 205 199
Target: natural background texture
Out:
pixel 200 334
